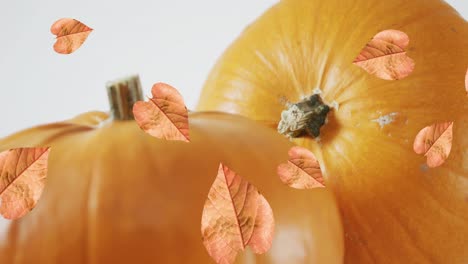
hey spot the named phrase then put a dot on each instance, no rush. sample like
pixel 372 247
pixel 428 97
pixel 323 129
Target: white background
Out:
pixel 172 41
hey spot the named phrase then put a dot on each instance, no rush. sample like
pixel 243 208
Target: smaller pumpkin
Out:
pixel 117 195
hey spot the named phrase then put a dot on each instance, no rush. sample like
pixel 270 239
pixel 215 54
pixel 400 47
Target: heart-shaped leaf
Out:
pixel 385 56
pixel 435 142
pixel 302 171
pixel 23 173
pixel 71 34
pixel 235 216
pixel 165 115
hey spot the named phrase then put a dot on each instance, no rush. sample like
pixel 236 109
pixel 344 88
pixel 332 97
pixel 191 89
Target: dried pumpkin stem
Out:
pixel 304 118
pixel 123 94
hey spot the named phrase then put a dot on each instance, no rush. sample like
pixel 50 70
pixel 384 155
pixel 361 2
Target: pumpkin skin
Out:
pixel 394 209
pixel 117 195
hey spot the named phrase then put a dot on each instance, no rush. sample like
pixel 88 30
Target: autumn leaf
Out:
pixel 23 173
pixel 71 34
pixel 235 216
pixel 385 56
pixel 302 171
pixel 435 142
pixel 165 115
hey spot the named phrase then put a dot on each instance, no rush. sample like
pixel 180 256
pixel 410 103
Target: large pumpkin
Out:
pixel 115 194
pixel 394 208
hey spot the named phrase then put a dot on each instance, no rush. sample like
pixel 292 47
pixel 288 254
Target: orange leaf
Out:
pixel 71 34
pixel 235 216
pixel 302 171
pixel 165 115
pixel 385 56
pixel 435 142
pixel 23 173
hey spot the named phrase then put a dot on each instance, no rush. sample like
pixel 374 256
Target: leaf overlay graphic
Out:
pixel 235 216
pixel 23 172
pixel 71 34
pixel 302 171
pixel 435 142
pixel 385 56
pixel 165 115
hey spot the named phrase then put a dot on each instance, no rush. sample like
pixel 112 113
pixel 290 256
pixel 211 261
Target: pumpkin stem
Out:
pixel 304 117
pixel 123 94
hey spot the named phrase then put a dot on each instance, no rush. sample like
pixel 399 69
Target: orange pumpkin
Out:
pixel 394 208
pixel 114 194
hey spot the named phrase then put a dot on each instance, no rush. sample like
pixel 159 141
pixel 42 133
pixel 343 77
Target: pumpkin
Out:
pixel 115 194
pixel 395 209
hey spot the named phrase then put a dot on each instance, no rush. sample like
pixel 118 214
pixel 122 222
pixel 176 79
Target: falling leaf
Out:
pixel 165 115
pixel 23 173
pixel 302 171
pixel 235 216
pixel 385 56
pixel 71 34
pixel 435 142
